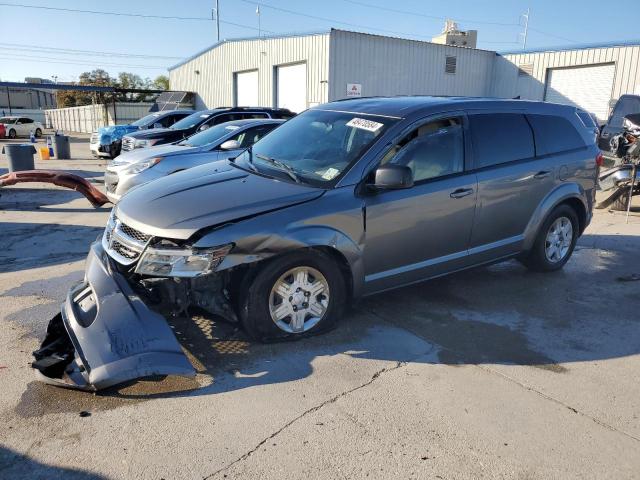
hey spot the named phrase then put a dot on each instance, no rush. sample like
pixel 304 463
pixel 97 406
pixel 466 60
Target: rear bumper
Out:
pixel 106 335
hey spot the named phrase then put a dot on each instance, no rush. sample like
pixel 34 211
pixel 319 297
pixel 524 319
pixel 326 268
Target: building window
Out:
pixel 450 65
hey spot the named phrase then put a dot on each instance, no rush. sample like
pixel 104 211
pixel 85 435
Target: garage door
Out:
pixel 247 89
pixel 291 91
pixel 585 87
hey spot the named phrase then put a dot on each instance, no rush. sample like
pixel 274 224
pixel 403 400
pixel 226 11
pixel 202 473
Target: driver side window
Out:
pixel 432 150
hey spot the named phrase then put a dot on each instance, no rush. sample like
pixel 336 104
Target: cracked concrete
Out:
pixel 491 373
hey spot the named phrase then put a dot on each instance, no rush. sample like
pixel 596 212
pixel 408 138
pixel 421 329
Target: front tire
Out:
pixel 293 296
pixel 38 133
pixel 555 241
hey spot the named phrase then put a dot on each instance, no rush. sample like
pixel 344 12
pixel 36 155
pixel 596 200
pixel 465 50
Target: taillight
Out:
pixel 600 160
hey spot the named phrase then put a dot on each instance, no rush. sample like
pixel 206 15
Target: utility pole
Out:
pixel 526 30
pixel 259 26
pixel 217 10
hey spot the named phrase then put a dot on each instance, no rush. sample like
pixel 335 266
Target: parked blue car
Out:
pixel 107 141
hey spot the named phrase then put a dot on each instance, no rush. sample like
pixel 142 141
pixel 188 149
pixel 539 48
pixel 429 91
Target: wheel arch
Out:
pixel 571 194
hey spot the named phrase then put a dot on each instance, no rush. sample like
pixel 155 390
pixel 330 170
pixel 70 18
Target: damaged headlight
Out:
pixel 170 262
pixel 145 143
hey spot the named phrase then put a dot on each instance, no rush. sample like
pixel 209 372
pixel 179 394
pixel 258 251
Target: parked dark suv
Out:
pixel 626 104
pixel 347 199
pixel 198 122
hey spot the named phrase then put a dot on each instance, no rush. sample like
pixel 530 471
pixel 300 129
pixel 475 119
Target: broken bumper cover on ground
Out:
pixel 106 335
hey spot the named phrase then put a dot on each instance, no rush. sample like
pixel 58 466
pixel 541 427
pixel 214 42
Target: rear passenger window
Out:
pixel 500 138
pixel 554 134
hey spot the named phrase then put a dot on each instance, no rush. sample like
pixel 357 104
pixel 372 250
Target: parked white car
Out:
pixel 21 127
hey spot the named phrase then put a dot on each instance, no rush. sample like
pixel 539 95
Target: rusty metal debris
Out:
pixel 61 179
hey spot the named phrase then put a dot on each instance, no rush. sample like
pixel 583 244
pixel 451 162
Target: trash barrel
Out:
pixel 20 156
pixel 43 153
pixel 61 148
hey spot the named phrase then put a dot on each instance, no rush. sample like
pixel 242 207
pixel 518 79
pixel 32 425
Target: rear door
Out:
pixel 511 182
pixel 25 126
pixel 423 231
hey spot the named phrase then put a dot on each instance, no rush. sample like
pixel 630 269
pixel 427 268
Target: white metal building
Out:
pixel 300 71
pixel 304 70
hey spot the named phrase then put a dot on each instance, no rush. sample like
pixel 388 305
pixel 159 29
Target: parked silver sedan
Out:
pixel 226 140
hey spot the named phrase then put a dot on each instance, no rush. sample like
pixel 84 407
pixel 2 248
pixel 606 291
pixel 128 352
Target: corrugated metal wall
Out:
pixel 214 84
pixel 88 118
pixel 507 83
pixel 393 66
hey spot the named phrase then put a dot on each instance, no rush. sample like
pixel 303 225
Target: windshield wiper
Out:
pixel 282 166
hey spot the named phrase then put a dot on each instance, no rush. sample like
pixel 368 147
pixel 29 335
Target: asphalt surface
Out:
pixel 491 373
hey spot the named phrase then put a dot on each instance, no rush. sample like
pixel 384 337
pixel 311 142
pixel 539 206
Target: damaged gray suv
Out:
pixel 347 199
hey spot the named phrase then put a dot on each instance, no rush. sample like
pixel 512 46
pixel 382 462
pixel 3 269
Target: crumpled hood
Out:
pixel 153 133
pixel 116 132
pixel 179 205
pixel 125 159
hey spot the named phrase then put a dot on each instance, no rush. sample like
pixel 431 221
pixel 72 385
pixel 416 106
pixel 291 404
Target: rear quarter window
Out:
pixel 500 138
pixel 554 134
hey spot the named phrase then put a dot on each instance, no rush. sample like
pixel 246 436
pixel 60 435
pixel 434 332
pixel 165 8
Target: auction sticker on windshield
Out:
pixel 363 124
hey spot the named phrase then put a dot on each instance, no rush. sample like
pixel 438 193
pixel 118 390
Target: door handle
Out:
pixel 542 174
pixel 461 192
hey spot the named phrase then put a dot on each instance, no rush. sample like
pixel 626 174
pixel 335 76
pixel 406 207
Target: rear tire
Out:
pixel 12 134
pixel 555 241
pixel 38 133
pixel 278 294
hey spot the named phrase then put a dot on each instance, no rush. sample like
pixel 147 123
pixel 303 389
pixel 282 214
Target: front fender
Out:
pixel 256 247
pixel 562 193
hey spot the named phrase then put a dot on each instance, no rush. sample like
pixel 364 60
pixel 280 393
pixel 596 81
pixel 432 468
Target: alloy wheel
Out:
pixel 559 239
pixel 299 299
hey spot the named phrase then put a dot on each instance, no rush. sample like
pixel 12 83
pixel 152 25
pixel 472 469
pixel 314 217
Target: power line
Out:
pixel 553 35
pixel 70 51
pixel 39 59
pixel 331 20
pixel 122 14
pixel 424 15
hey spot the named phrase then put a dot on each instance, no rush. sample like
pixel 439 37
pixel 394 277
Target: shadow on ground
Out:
pixel 501 314
pixel 13 465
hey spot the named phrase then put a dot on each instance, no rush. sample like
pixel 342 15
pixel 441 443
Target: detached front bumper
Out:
pixel 106 335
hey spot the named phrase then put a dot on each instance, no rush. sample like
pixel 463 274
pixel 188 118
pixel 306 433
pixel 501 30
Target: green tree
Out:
pixel 161 82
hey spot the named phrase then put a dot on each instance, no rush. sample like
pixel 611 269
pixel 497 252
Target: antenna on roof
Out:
pixel 526 29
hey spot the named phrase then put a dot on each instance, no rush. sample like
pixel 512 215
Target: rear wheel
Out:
pixel 38 133
pixel 293 296
pixel 555 241
pixel 12 133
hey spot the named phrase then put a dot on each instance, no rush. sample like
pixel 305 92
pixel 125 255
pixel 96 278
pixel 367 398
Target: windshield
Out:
pixel 7 120
pixel 317 145
pixel 190 121
pixel 210 135
pixel 146 120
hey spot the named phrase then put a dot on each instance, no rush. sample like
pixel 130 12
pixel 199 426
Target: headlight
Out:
pixel 169 262
pixel 142 166
pixel 145 143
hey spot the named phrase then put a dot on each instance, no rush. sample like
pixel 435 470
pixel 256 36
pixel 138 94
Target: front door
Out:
pixel 423 231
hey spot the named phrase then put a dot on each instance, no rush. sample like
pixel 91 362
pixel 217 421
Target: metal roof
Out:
pixel 242 39
pixel 582 46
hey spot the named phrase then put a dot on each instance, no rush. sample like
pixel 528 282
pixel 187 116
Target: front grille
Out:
pixel 123 243
pixel 128 143
pixel 124 250
pixel 133 233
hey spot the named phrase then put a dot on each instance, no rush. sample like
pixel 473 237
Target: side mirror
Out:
pixel 202 128
pixel 230 145
pixel 393 177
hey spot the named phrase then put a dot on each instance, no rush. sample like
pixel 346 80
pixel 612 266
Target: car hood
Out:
pixel 153 133
pixel 125 159
pixel 179 205
pixel 117 131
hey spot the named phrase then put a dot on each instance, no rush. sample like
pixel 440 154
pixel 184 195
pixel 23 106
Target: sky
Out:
pixel 36 42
